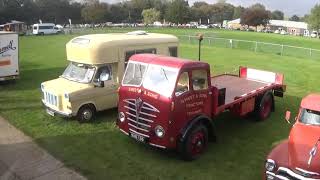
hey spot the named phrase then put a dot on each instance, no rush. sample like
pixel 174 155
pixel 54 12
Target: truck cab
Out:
pixel 170 103
pixel 298 157
pixel 96 64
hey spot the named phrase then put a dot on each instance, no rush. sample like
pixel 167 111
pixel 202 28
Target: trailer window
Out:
pixel 182 84
pixel 199 80
pixel 173 51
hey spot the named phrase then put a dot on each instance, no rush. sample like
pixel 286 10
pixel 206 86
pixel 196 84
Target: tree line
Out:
pixel 133 11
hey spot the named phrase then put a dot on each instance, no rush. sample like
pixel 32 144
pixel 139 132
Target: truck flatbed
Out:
pixel 237 87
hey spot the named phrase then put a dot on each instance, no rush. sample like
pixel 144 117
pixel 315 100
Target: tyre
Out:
pixel 195 143
pixel 86 113
pixel 264 107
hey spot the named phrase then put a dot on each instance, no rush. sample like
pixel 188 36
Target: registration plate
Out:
pixel 51 113
pixel 138 137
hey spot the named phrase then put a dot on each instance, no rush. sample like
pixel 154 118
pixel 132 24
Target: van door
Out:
pixel 106 97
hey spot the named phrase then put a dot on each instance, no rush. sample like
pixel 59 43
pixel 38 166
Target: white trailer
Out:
pixel 9 56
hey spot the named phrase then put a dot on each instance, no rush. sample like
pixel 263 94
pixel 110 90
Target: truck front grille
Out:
pixel 140 116
pixel 50 99
pixel 296 174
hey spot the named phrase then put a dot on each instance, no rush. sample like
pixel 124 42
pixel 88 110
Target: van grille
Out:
pixel 140 116
pixel 50 98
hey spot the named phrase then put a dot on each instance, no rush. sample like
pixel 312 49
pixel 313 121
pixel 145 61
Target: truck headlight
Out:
pixel 159 131
pixel 270 165
pixel 122 117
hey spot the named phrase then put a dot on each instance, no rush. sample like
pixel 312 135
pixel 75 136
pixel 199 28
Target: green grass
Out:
pixel 99 151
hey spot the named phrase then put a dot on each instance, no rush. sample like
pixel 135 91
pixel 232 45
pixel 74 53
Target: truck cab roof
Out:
pixel 168 61
pixel 312 102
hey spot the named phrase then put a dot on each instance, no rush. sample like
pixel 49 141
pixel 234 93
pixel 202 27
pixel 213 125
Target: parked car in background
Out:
pixel 277 32
pixel 298 158
pixel 314 34
pixel 45 28
pixel 283 32
pixel 203 26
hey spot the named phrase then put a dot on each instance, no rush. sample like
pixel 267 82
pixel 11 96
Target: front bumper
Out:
pixel 60 113
pixel 8 78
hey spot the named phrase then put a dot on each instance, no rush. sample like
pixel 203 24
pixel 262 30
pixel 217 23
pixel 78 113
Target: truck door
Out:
pixel 201 103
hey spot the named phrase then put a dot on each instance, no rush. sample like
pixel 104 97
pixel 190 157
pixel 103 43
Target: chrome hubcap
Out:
pixel 87 114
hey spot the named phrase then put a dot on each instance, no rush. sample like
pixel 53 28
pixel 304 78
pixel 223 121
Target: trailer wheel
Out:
pixel 195 143
pixel 86 113
pixel 264 108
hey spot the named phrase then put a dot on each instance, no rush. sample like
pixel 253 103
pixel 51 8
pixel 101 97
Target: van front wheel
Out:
pixel 86 113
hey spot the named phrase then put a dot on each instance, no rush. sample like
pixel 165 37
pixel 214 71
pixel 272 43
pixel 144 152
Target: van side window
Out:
pixel 140 51
pixel 199 80
pixel 183 84
pixel 104 73
pixel 173 51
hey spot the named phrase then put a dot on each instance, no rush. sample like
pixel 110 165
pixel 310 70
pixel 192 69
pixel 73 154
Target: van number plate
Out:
pixel 137 137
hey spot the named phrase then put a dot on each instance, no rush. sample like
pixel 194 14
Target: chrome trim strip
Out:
pixel 139 133
pixel 150 106
pixel 308 172
pixel 130 108
pixel 151 115
pixel 154 110
pixel 129 101
pixel 137 127
pixel 146 125
pixel 146 119
pixel 124 132
pixel 157 146
pixel 293 174
pixel 131 114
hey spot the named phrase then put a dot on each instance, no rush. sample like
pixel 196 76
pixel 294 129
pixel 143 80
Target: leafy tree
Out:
pixel 94 12
pixel 178 11
pixel 221 11
pixel 304 18
pixel 238 12
pixel 150 15
pixel 314 18
pixel 255 15
pixel 277 15
pixel 294 18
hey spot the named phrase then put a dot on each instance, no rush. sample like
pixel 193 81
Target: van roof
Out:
pixel 100 48
pixel 168 61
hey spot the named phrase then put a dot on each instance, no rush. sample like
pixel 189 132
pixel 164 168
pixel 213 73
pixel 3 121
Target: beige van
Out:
pixel 96 66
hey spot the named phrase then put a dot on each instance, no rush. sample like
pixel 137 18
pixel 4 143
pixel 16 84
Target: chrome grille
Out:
pixel 140 116
pixel 296 174
pixel 50 99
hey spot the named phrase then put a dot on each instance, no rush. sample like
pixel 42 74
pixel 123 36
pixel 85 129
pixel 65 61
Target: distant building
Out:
pixel 15 26
pixel 291 27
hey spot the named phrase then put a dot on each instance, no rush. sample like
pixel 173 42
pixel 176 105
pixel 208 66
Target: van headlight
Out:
pixel 270 165
pixel 159 131
pixel 122 117
pixel 66 96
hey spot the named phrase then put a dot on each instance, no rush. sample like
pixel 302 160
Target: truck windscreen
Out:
pixel 310 117
pixel 134 74
pixel 79 72
pixel 160 79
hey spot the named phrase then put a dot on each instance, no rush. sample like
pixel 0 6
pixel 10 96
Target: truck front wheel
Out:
pixel 86 113
pixel 195 143
pixel 264 108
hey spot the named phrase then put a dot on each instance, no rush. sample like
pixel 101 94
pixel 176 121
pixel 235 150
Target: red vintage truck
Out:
pixel 170 103
pixel 298 157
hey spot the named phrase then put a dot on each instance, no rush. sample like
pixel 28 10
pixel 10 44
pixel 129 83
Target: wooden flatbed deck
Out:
pixel 236 86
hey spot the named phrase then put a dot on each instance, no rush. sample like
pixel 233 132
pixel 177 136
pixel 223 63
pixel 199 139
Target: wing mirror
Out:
pixel 98 83
pixel 288 117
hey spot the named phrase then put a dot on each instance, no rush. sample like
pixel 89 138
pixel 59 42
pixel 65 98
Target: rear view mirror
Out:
pixel 288 116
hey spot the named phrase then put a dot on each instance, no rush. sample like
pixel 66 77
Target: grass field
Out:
pixel 99 151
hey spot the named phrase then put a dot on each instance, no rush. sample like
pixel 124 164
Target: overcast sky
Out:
pixel 289 7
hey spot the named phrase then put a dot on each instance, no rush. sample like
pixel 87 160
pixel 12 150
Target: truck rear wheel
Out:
pixel 86 113
pixel 264 108
pixel 195 143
